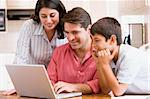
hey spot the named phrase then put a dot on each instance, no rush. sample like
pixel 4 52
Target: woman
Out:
pixel 40 35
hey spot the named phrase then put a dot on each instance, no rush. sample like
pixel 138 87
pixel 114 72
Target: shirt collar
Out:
pixel 40 31
pixel 87 56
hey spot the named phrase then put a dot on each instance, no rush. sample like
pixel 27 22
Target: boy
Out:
pixel 122 69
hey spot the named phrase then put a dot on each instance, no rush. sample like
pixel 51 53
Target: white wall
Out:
pixel 2 4
pixel 147 22
pixel 137 8
pixel 8 40
pixel 130 7
pixel 5 81
pixel 96 8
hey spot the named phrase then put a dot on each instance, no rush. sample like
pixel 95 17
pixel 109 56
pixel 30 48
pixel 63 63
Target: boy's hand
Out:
pixel 104 57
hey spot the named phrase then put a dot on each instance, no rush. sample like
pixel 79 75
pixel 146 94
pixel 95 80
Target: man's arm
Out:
pixel 91 86
pixel 69 87
pixel 51 69
pixel 84 88
pixel 22 55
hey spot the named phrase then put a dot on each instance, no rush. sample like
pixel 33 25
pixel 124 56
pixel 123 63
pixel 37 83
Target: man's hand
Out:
pixel 64 87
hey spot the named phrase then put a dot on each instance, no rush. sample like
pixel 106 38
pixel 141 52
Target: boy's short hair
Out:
pixel 77 16
pixel 106 27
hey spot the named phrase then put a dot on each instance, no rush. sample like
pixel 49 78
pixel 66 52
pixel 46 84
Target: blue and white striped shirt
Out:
pixel 33 46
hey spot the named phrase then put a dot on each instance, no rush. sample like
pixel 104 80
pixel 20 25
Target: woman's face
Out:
pixel 49 18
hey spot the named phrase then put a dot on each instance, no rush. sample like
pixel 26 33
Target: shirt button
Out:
pixel 79 72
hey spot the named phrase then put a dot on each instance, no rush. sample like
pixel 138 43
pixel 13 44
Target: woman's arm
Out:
pixel 22 54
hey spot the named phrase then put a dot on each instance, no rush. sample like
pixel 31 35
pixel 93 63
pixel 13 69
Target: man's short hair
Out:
pixel 77 16
pixel 107 27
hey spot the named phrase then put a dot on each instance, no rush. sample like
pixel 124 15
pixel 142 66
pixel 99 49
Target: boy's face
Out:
pixel 76 35
pixel 100 43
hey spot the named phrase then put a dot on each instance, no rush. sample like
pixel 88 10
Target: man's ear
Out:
pixel 88 28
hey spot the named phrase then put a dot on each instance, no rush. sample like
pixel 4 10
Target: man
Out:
pixel 72 68
pixel 122 69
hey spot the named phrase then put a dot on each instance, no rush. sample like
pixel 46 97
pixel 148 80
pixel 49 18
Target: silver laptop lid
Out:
pixel 30 80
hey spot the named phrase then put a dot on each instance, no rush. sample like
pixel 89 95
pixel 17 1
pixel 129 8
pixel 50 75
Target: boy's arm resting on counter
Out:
pixel 111 83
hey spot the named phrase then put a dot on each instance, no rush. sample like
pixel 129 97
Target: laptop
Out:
pixel 33 81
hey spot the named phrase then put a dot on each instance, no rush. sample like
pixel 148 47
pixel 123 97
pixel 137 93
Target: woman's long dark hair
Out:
pixel 52 4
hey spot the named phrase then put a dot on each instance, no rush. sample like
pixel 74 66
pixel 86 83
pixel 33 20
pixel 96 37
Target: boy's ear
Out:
pixel 113 39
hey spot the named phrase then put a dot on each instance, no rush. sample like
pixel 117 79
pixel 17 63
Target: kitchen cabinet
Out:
pixel 130 7
pixel 136 31
pixel 96 8
pixel 2 4
pixel 21 4
pixel 135 26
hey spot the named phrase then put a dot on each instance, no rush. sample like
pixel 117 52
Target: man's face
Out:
pixel 100 43
pixel 76 35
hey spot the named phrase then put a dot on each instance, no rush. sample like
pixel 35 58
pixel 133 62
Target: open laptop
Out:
pixel 33 81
